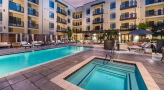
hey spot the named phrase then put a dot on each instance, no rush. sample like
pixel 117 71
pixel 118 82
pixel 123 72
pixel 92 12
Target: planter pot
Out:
pixel 108 44
pixel 160 44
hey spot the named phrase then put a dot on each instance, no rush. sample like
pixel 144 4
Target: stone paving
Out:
pixel 38 78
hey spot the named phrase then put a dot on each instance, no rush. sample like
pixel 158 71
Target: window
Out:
pixel 88 28
pixel 113 16
pixel 51 25
pixel 51 14
pixel 68 20
pixel 51 3
pixel 69 12
pixel 0 1
pixel 88 19
pixel 112 25
pixel 88 11
pixel 113 5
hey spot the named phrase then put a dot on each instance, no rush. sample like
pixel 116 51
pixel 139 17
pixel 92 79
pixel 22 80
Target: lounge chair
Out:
pixel 53 42
pixel 26 44
pixel 35 43
pixel 5 44
pixel 142 47
pixel 41 42
pixel 16 44
pixel 60 42
pixel 162 54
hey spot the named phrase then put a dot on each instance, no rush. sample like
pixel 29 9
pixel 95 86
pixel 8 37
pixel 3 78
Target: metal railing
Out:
pixel 130 5
pixel 16 23
pixel 128 16
pixel 101 20
pixel 154 13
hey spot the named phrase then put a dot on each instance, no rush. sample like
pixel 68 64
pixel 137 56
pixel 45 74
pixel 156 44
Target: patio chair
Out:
pixel 162 54
pixel 35 43
pixel 26 44
pixel 60 42
pixel 5 44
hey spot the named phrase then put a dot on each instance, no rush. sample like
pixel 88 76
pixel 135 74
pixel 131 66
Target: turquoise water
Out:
pixel 98 75
pixel 14 62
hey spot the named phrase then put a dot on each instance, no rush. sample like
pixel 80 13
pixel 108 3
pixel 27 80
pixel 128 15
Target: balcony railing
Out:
pixel 34 1
pixel 33 12
pixel 74 24
pixel 97 12
pixel 62 21
pixel 61 30
pixel 128 27
pixel 33 25
pixel 97 28
pixel 16 23
pixel 96 21
pixel 16 7
pixel 62 12
pixel 131 4
pixel 153 1
pixel 154 13
pixel 128 16
pixel 74 17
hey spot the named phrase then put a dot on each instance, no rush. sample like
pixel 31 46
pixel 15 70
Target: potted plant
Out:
pixel 109 41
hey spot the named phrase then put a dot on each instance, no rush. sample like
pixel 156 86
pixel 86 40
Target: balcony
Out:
pixel 62 21
pixel 154 13
pixel 128 16
pixel 127 5
pixel 77 24
pixel 128 27
pixel 97 28
pixel 148 2
pixel 61 29
pixel 97 21
pixel 32 12
pixel 16 7
pixel 62 12
pixel 34 1
pixel 97 12
pixel 33 25
pixel 77 17
pixel 16 23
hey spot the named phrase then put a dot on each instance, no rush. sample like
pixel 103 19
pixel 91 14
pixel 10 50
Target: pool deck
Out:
pixel 38 78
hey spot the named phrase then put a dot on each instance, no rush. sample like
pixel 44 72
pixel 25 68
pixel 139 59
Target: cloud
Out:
pixel 77 3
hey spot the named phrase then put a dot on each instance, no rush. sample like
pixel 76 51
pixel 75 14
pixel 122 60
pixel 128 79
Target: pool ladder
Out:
pixel 110 55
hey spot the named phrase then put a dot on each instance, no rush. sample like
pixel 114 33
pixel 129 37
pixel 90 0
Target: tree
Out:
pixel 142 26
pixel 69 33
pixel 158 29
pixel 110 33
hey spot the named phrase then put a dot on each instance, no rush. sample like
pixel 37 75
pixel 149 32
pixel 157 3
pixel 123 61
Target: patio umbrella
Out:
pixel 140 31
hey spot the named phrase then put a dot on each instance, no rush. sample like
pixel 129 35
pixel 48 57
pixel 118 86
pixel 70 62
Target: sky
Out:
pixel 77 3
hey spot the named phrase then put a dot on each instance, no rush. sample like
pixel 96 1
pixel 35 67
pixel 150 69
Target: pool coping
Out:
pixel 59 80
pixel 15 72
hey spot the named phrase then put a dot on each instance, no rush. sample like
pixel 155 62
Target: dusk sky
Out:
pixel 77 3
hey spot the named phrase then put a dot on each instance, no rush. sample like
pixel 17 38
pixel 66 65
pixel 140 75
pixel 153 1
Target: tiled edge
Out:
pixel 1 76
pixel 59 80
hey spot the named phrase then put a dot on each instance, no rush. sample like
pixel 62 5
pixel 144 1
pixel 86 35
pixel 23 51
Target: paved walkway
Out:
pixel 38 78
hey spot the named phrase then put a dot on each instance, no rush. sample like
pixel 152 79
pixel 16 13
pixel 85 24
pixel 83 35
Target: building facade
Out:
pixel 35 20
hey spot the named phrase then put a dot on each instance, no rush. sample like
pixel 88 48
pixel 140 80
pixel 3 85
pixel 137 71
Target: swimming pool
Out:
pixel 100 75
pixel 15 62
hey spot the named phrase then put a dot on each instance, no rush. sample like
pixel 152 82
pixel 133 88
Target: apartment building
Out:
pixel 49 19
pixel 28 20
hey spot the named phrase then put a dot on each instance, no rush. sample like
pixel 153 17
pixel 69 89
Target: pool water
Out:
pixel 103 75
pixel 14 62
